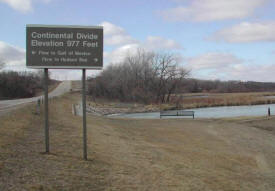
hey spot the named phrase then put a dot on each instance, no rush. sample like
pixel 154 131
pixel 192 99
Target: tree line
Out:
pixel 20 84
pixel 217 86
pixel 142 77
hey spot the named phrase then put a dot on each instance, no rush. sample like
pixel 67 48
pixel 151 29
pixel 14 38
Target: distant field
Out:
pixel 129 154
pixel 222 99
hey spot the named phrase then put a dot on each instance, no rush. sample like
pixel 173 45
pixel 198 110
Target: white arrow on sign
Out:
pixel 95 60
pixel 33 52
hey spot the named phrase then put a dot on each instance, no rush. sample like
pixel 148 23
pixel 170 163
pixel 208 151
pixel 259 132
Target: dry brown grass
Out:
pixel 129 154
pixel 24 166
pixel 223 99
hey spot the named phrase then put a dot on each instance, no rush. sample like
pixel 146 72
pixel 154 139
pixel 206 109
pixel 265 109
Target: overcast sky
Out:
pixel 217 39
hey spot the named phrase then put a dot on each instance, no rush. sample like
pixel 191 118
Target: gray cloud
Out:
pixel 212 10
pixel 157 42
pixel 213 61
pixel 246 32
pixel 115 35
pixel 23 6
pixel 226 66
pixel 12 56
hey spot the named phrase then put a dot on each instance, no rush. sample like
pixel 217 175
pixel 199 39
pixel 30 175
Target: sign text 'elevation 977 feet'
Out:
pixel 64 47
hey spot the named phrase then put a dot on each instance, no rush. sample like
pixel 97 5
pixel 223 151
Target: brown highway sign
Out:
pixel 73 47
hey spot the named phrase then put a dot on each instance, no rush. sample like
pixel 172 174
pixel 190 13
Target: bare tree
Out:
pixel 18 84
pixel 169 75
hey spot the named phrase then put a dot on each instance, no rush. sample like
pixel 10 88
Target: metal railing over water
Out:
pixel 177 113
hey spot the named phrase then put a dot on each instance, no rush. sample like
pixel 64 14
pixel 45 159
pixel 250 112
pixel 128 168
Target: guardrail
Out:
pixel 177 113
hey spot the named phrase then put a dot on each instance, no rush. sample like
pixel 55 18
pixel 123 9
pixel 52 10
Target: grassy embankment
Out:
pixel 129 154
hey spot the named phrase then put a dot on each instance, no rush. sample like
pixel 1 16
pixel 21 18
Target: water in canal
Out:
pixel 212 112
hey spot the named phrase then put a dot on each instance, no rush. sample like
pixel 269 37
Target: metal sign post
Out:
pixel 64 47
pixel 46 112
pixel 84 114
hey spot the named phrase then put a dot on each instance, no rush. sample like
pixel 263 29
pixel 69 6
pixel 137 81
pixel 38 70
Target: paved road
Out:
pixel 7 105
